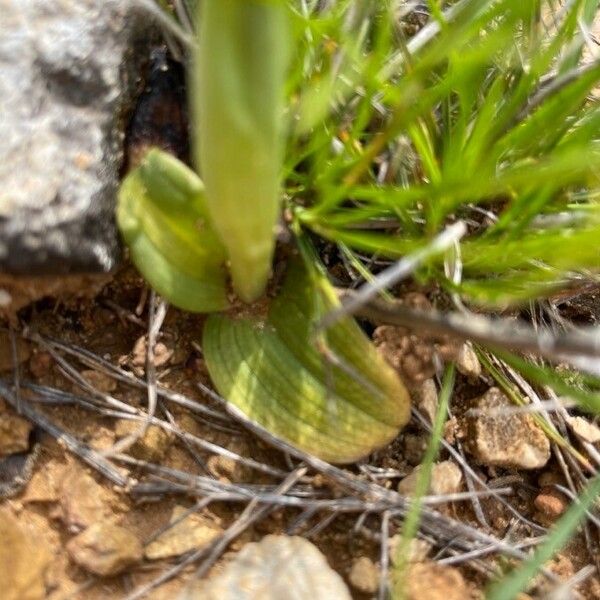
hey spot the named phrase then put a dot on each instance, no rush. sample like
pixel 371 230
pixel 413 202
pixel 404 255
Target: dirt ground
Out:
pixel 61 497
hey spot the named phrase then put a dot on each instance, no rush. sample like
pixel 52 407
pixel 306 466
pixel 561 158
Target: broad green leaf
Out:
pixel 163 218
pixel 337 399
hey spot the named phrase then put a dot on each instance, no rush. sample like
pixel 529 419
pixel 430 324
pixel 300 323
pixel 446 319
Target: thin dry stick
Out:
pixel 352 303
pixel 500 333
pixel 214 551
pixel 97 362
pixel 470 483
pixel 485 551
pixel 166 21
pixel 433 522
pixel 51 394
pixel 303 517
pixel 566 589
pixel 72 373
pixel 471 487
pixel 122 313
pixel 15 365
pixel 247 518
pixel 91 457
pixel 212 447
pixel 421 39
pixel 156 316
pixel 189 447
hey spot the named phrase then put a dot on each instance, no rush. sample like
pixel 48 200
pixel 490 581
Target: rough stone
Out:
pixel 446 478
pixel 23 563
pixel 99 381
pixel 152 446
pixel 83 501
pixel 587 431
pixel 551 504
pixel 415 357
pixel 364 575
pixel 105 549
pixel 467 362
pixel 190 533
pixel 69 70
pixel 276 567
pixel 505 440
pixel 137 360
pixel 435 582
pixel 426 399
pixel 44 484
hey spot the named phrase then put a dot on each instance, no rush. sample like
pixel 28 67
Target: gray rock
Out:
pixel 277 567
pixel 68 72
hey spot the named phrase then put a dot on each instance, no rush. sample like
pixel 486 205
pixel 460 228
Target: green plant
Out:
pixel 237 101
pixel 411 522
pixel 482 111
pixel 375 144
pixel 520 578
pixel 330 393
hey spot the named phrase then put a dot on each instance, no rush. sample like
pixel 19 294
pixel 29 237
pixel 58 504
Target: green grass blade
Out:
pixel 518 581
pixel 410 526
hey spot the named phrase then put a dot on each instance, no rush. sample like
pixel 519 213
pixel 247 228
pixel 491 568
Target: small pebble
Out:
pixel 364 575
pixel 427 399
pixel 505 440
pixel 14 431
pixel 551 503
pixel 467 362
pixel 162 355
pixel 99 381
pixel 430 581
pixel 446 478
pixel 193 532
pixel 277 567
pixel 23 561
pixel 587 431
pixel 105 549
pixel 83 501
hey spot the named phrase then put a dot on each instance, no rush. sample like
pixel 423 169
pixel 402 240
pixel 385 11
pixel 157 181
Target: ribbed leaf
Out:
pixel 339 402
pixel 162 215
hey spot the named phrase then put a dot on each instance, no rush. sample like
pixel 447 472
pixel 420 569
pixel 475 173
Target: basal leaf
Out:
pixel 338 400
pixel 162 217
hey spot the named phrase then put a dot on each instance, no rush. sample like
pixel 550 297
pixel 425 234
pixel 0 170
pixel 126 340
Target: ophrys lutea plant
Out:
pixel 191 236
